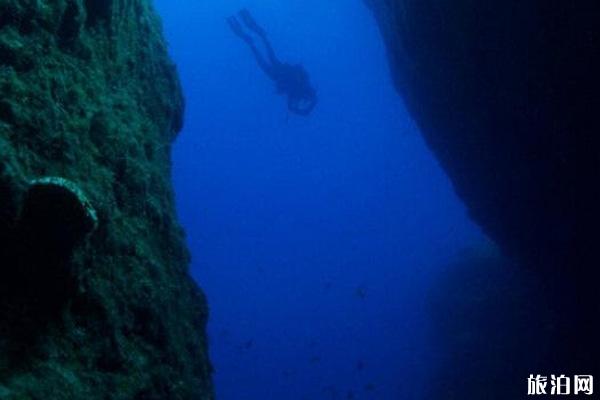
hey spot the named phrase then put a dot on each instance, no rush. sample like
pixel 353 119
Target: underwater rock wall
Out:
pixel 506 96
pixel 95 297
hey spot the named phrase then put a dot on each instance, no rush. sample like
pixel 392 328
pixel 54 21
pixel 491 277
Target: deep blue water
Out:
pixel 317 240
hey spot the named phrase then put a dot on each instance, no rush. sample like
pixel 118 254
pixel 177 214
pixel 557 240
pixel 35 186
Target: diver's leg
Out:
pixel 237 29
pixel 270 52
pixel 262 63
pixel 251 23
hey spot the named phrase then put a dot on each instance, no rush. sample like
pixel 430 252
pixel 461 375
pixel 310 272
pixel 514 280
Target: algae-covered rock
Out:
pixel 95 297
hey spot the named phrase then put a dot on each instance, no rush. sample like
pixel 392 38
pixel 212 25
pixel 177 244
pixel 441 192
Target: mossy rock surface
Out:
pixel 89 95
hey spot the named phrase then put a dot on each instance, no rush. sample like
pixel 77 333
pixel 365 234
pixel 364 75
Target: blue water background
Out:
pixel 317 240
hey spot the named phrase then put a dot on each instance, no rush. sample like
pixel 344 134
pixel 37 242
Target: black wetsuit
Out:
pixel 290 79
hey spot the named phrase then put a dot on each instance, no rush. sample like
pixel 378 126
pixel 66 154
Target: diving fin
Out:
pixel 236 27
pixel 250 22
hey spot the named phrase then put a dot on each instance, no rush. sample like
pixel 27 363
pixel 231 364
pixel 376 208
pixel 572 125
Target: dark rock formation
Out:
pixel 490 329
pixel 506 96
pixel 505 93
pixel 95 297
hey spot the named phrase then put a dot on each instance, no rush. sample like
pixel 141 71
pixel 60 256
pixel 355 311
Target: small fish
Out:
pixel 360 365
pixel 361 292
pixel 369 387
pixel 315 359
pixel 331 391
pixel 247 345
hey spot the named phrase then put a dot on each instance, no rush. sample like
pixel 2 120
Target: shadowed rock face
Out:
pixel 490 329
pixel 506 96
pixel 505 93
pixel 95 297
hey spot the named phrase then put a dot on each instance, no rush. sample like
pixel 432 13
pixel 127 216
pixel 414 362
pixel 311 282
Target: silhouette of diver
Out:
pixel 290 80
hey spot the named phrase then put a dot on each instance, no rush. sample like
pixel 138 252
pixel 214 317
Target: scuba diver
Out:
pixel 290 80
